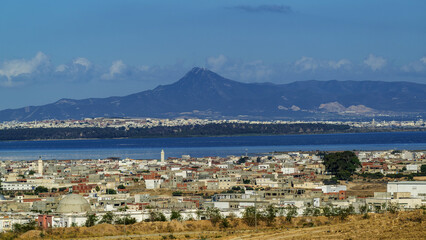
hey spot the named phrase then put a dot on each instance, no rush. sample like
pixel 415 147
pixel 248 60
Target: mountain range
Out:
pixel 205 94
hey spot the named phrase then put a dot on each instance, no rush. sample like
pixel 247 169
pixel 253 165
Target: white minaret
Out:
pixel 40 166
pixel 162 155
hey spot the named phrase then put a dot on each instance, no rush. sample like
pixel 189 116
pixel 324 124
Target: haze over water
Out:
pixel 149 148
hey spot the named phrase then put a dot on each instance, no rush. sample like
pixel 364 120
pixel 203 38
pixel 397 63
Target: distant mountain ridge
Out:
pixel 203 93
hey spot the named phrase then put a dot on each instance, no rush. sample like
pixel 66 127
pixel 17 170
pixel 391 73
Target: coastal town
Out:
pixel 127 123
pixel 83 192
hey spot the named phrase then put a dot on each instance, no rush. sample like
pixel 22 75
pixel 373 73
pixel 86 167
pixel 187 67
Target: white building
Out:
pixel 17 186
pixel 407 155
pixel 288 170
pixel 332 188
pixel 416 188
pixel 413 168
pixel 153 183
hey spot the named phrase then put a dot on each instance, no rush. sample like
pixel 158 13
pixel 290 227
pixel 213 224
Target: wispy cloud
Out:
pixel 80 71
pixel 14 68
pixel 61 68
pixel 311 64
pixel 216 63
pixel 116 68
pixel 239 70
pixel 417 66
pixel 375 62
pixel 265 8
pixel 82 62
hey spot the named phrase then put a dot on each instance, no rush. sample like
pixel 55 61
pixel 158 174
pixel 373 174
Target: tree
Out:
pixel 177 193
pixel 364 209
pixel 343 213
pixel 24 227
pixel 423 169
pixel 97 188
pixel 270 214
pixel 341 164
pixel 176 216
pixel 156 216
pixel 393 208
pixel 329 211
pixel 121 186
pixel 316 212
pixel 214 215
pixel 91 220
pixel 250 216
pixel 311 211
pixel 224 223
pixel 200 213
pixel 111 191
pixel 107 218
pixel 40 189
pixel 126 220
pixel 291 212
pixel 246 181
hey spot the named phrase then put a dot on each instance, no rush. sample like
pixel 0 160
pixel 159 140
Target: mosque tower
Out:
pixel 40 166
pixel 162 155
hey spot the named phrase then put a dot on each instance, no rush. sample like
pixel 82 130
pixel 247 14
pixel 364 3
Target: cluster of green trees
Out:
pixel 110 191
pixel 40 189
pixel 252 216
pixel 165 131
pixel 379 175
pixel 109 218
pixel 341 164
pixel 24 227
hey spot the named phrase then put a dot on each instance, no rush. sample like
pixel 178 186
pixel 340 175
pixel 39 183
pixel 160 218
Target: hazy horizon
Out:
pixel 81 49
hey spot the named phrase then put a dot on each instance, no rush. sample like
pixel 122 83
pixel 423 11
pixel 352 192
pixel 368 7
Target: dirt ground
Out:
pixel 402 225
pixel 364 189
pixel 378 226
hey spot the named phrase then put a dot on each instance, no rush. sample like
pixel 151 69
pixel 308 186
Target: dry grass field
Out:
pixel 402 225
pixel 364 189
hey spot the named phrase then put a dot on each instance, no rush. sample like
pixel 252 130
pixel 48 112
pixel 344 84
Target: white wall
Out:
pixel 416 188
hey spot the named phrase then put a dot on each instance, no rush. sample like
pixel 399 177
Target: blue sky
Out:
pixel 77 49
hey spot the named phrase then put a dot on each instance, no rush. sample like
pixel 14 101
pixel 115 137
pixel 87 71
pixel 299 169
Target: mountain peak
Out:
pixel 198 71
pixel 205 94
pixel 199 75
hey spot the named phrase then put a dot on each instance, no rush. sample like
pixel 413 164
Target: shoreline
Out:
pixel 149 148
pixel 228 135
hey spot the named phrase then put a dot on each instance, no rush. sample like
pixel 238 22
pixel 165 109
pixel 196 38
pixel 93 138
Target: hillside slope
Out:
pixel 205 94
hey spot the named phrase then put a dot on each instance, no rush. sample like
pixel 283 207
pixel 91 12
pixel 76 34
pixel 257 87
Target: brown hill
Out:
pixel 401 225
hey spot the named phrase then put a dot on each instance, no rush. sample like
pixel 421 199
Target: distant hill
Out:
pixel 205 94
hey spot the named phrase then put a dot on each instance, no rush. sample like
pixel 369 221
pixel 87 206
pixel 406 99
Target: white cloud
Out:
pixel 14 68
pixel 83 62
pixel 417 66
pixel 144 68
pixel 339 64
pixel 311 64
pixel 216 63
pixel 374 62
pixel 61 68
pixel 306 64
pixel 117 67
